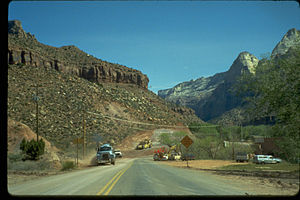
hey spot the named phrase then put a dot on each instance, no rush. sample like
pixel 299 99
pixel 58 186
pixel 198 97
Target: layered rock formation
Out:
pixel 23 48
pixel 211 97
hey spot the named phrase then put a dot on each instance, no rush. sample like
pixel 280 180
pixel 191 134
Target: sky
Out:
pixel 169 41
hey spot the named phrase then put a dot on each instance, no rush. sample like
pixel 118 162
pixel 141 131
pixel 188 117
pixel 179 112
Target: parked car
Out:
pixel 278 160
pixel 187 156
pixel 156 157
pixel 266 159
pixel 165 157
pixel 241 157
pixel 174 156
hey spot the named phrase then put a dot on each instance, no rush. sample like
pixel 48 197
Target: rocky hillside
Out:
pixel 212 97
pixel 23 48
pixel 65 100
pixel 16 131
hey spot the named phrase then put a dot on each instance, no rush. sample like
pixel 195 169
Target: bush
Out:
pixel 32 149
pixel 67 165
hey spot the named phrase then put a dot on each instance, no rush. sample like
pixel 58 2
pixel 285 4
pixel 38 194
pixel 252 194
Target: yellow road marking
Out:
pixel 116 178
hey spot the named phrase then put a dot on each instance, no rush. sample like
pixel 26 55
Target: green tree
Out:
pixel 23 145
pixel 207 147
pixel 164 138
pixel 171 139
pixel 33 149
pixel 274 90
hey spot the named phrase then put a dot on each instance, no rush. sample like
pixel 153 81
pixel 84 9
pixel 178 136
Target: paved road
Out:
pixel 140 176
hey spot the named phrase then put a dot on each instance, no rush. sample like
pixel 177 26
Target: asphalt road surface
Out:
pixel 139 176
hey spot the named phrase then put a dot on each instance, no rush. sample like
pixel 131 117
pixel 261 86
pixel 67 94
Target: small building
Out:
pixel 266 146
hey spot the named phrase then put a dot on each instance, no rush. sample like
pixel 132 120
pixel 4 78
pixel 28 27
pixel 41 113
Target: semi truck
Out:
pixel 105 154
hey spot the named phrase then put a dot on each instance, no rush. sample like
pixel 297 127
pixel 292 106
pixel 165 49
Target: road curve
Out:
pixel 140 176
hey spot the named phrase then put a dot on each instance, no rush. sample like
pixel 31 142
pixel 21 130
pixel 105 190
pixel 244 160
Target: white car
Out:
pixel 265 159
pixel 278 160
pixel 165 157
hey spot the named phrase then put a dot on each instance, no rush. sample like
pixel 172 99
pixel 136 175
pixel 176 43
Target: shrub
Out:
pixel 67 165
pixel 32 149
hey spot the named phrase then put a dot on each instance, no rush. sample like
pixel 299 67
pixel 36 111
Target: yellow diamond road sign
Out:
pixel 186 141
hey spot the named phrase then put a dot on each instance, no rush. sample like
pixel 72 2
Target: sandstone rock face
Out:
pixel 23 48
pixel 210 96
pixel 290 39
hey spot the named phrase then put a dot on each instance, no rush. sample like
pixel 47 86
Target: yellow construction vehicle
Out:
pixel 174 152
pixel 140 146
pixel 147 143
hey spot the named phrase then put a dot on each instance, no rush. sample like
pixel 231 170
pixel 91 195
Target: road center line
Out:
pixel 112 182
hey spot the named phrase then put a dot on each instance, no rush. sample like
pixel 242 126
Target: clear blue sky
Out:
pixel 170 41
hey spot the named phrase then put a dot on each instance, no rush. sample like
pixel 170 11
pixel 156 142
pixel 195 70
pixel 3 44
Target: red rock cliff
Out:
pixel 23 48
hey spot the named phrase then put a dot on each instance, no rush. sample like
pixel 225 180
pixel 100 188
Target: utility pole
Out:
pixel 37 113
pixel 87 139
pixel 241 132
pixel 240 120
pixel 77 139
pixel 36 99
pixel 83 136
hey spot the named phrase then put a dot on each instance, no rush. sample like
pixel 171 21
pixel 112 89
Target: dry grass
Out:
pixel 203 164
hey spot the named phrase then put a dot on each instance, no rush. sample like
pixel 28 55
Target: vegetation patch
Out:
pixel 32 149
pixel 283 167
pixel 67 165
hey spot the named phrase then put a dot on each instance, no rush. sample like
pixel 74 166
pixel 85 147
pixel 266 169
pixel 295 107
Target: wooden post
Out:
pixel 77 151
pixel 37 113
pixel 83 137
pixel 232 150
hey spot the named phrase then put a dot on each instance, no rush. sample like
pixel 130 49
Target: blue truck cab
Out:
pixel 105 154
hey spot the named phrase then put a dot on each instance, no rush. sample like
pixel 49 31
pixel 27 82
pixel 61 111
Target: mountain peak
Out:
pixel 15 28
pixel 244 54
pixel 292 32
pixel 290 39
pixel 244 62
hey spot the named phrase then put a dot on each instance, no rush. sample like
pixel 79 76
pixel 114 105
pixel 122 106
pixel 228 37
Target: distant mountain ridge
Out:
pixel 23 48
pixel 211 97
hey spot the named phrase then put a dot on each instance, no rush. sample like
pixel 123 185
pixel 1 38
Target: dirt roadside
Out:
pixel 259 185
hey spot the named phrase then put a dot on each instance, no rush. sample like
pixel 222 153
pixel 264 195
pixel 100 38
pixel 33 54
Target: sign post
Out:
pixel 77 141
pixel 187 141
